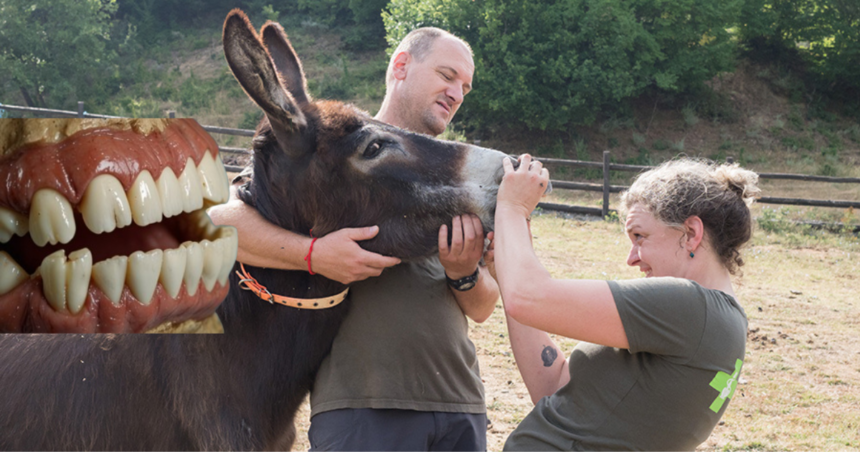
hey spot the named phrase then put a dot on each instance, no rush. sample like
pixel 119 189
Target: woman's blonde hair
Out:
pixel 718 194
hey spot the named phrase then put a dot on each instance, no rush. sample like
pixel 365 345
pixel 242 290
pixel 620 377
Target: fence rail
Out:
pixel 605 166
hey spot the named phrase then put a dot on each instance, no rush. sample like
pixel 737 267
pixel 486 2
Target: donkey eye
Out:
pixel 372 150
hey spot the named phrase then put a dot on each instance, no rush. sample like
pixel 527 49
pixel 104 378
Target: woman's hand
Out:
pixel 522 188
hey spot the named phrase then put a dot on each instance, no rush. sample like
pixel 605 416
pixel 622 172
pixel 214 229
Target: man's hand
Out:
pixel 338 256
pixel 461 258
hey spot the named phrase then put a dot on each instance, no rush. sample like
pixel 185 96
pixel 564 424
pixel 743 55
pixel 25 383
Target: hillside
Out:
pixel 760 114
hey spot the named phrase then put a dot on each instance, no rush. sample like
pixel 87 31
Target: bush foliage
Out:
pixel 551 64
pixel 52 52
pixel 823 34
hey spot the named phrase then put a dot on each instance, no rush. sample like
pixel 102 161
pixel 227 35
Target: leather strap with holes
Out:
pixel 247 282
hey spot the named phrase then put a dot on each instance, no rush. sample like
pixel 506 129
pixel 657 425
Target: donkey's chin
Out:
pixel 103 226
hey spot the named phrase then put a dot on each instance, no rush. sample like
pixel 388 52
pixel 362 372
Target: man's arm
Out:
pixel 461 258
pixel 336 256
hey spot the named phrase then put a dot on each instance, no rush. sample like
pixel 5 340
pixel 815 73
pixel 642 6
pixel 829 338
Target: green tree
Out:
pixel 363 17
pixel 551 64
pixel 824 34
pixel 52 51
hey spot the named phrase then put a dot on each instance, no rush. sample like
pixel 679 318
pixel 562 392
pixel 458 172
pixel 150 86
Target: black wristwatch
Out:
pixel 464 284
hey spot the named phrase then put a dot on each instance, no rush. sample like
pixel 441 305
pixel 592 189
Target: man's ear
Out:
pixel 401 63
pixel 694 230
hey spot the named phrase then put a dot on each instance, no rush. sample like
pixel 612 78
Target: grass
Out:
pixel 801 377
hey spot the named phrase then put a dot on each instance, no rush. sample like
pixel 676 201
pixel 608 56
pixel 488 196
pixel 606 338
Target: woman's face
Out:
pixel 657 249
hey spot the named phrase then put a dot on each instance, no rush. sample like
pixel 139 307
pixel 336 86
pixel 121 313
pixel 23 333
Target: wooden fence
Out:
pixel 605 166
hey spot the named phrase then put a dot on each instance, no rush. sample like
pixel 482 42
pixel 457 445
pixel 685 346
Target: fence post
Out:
pixel 80 109
pixel 605 184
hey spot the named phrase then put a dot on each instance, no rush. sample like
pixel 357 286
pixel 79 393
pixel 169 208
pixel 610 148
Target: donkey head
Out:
pixel 325 165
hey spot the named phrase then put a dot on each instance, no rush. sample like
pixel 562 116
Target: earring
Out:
pixel 692 255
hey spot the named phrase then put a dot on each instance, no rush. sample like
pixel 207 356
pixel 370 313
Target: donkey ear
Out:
pixel 286 61
pixel 251 65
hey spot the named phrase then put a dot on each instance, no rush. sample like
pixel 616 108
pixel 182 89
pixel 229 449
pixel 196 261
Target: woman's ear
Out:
pixel 695 232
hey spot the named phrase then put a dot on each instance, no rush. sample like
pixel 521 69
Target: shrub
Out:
pixel 822 35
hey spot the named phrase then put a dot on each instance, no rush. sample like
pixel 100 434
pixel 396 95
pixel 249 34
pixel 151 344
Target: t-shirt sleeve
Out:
pixel 665 316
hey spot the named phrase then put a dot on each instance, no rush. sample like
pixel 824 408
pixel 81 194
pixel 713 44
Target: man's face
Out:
pixel 434 88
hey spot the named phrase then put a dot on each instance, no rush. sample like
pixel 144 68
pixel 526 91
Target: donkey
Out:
pixel 318 166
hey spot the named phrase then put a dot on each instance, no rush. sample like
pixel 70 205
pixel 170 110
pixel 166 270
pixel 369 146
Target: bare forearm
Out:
pixel 520 274
pixel 261 243
pixel 478 303
pixel 540 361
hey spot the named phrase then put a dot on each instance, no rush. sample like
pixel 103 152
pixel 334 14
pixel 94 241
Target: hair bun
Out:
pixel 742 182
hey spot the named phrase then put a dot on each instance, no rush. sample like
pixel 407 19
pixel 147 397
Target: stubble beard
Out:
pixel 419 117
pixel 433 123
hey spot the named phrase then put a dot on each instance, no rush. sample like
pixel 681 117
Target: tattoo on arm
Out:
pixel 548 355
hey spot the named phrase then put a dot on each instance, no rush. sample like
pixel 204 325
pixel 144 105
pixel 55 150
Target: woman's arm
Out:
pixel 579 309
pixel 540 361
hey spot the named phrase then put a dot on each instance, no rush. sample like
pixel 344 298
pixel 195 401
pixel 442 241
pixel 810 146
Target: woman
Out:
pixel 659 357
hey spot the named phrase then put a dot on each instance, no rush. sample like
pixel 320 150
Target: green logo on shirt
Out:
pixel 726 384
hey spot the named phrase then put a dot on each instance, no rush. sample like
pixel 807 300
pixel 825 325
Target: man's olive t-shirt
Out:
pixel 666 392
pixel 404 345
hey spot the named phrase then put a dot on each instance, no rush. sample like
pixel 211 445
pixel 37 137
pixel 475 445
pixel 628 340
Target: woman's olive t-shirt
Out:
pixel 667 392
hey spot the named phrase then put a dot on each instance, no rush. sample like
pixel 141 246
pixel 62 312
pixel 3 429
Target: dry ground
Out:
pixel 800 385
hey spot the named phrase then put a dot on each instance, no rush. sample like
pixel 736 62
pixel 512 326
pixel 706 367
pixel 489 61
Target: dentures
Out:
pixel 105 230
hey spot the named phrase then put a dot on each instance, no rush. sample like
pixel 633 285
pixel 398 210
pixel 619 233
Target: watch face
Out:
pixel 466 286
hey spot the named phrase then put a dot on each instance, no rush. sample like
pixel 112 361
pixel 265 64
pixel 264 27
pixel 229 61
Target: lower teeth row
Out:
pixel 66 281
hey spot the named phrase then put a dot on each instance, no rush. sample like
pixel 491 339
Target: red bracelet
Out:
pixel 308 257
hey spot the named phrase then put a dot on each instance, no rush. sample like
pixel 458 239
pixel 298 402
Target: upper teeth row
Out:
pixel 105 206
pixel 66 281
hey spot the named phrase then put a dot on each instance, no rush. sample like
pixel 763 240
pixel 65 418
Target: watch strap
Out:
pixel 465 283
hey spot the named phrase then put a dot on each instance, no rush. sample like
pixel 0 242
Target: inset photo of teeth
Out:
pixel 103 227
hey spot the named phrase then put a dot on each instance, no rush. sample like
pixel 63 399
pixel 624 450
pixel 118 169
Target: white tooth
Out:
pixel 225 180
pixel 104 205
pixel 189 185
pixel 144 200
pixel 78 271
pixel 52 219
pixel 211 182
pixel 230 244
pixel 109 276
pixel 170 191
pixel 142 275
pixel 12 222
pixel 53 271
pixel 11 274
pixel 173 270
pixel 193 266
pixel 212 258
